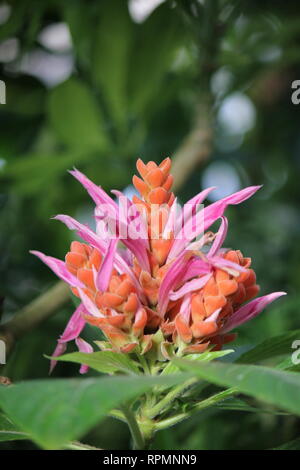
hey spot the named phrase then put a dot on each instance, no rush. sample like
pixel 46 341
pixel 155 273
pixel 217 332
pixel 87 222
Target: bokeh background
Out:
pixel 96 84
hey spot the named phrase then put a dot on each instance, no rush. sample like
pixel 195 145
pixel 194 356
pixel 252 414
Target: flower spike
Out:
pixel 151 286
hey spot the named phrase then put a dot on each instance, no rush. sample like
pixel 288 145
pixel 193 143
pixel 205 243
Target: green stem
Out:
pixel 144 364
pixel 117 414
pixel 166 423
pixel 214 399
pixel 75 445
pixel 169 398
pixel 137 436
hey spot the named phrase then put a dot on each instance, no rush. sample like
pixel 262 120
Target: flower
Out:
pixel 162 291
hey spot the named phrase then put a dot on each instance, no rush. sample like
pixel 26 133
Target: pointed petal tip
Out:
pixel 74 171
pixel 37 253
pixel 255 188
pixel 250 310
pixel 276 295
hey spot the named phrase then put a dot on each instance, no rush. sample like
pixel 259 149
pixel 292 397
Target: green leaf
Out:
pixel 292 445
pixel 29 175
pixel 275 346
pixel 8 431
pixel 156 42
pixel 273 386
pixel 75 116
pixel 81 22
pixel 111 47
pixel 287 364
pixel 172 368
pixel 236 404
pixel 54 412
pixel 103 361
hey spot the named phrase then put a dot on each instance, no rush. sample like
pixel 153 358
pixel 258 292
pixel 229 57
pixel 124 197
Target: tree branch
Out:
pixel 195 148
pixel 33 314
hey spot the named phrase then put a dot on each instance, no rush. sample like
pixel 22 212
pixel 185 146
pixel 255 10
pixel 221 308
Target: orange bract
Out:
pixel 125 319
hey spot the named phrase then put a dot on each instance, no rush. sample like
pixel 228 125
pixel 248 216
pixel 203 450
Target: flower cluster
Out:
pixel 156 290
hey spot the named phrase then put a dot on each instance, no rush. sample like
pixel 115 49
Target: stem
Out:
pixel 75 445
pixel 214 399
pixel 139 442
pixel 118 415
pixel 169 398
pixel 166 423
pixel 144 364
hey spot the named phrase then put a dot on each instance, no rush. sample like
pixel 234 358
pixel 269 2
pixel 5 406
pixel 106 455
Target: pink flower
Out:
pixel 162 283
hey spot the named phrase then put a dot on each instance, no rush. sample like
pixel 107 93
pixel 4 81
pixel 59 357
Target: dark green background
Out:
pixel 135 90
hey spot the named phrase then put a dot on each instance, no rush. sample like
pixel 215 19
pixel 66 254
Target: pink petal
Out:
pixel 84 347
pixel 135 241
pixel 190 286
pixel 219 240
pixel 89 305
pixel 136 245
pixel 94 240
pixel 90 237
pixel 74 326
pixel 191 206
pixel 196 267
pixel 59 268
pixel 58 351
pixel 169 281
pixel 185 309
pixel 139 252
pixel 171 222
pixel 227 265
pixel 211 214
pixel 124 268
pixel 96 192
pixel 249 311
pixel 216 210
pixel 199 198
pixel 213 316
pixel 73 329
pixel 131 213
pixel 104 273
pixel 83 231
pixel 126 256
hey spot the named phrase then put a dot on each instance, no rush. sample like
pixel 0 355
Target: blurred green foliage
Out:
pixel 132 90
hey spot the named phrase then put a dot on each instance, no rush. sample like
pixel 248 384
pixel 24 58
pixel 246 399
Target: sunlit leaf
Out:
pixel 273 386
pixel 271 347
pixel 54 412
pixel 103 361
pixel 207 356
pixel 236 404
